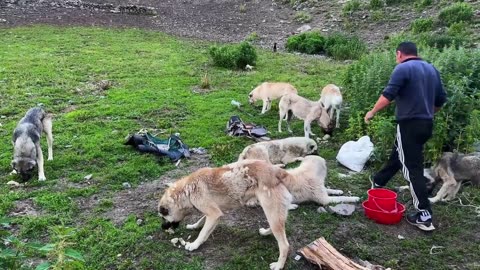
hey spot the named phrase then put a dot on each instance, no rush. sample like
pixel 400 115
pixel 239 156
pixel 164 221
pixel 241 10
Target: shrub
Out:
pixel 376 4
pixel 455 129
pixel 303 17
pixel 420 4
pixel 308 42
pixel 351 6
pixel 338 46
pixel 233 56
pixel 456 12
pixel 421 25
pixel 342 47
pixel 458 29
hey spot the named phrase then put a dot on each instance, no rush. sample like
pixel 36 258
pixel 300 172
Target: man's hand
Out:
pixel 369 116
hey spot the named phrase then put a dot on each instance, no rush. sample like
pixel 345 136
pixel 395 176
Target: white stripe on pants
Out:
pixel 406 173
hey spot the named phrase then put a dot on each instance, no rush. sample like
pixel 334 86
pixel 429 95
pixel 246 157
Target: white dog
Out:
pixel 282 151
pixel 268 91
pixel 331 98
pixel 307 183
pixel 306 110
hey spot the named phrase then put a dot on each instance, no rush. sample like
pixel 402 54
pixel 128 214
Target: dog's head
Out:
pixel 432 180
pixel 310 147
pixel 25 167
pixel 251 97
pixel 169 208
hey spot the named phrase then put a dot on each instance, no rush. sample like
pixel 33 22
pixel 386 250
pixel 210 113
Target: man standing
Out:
pixel 417 89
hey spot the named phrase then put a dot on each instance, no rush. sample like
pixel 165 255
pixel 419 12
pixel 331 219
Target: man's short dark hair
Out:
pixel 407 48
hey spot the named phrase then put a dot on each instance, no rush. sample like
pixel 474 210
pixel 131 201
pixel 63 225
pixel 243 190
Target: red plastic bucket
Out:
pixel 383 199
pixel 372 212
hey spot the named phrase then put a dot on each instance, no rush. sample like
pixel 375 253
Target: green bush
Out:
pixel 342 47
pixel 308 42
pixel 455 126
pixel 420 4
pixel 338 46
pixel 233 56
pixel 376 4
pixel 458 29
pixel 456 12
pixel 421 25
pixel 351 6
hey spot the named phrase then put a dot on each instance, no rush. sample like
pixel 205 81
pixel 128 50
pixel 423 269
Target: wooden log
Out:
pixel 323 254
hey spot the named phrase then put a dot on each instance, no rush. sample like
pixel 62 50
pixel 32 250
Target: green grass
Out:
pixel 152 77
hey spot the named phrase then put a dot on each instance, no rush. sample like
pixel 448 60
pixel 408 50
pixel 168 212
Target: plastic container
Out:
pixel 372 212
pixel 383 199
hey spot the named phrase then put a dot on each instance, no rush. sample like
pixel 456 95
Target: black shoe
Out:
pixel 374 185
pixel 421 219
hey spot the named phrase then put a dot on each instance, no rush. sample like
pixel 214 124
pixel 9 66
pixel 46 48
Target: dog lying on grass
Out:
pixel 282 151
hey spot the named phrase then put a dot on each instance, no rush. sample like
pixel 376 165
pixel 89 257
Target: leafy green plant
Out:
pixel 303 17
pixel 309 42
pixel 342 47
pixel 421 25
pixel 252 37
pixel 233 56
pixel 420 4
pixel 456 12
pixel 205 83
pixel 351 6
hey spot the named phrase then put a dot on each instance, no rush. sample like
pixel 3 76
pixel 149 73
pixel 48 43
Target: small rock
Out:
pixel 126 185
pixel 321 210
pixel 88 177
pixel 139 221
pixel 304 28
pixel 3 116
pixel 341 175
pixel 13 183
pixel 198 150
pixel 149 237
pixel 174 241
pixel 325 30
pixel 342 209
pixel 170 231
pixel 264 21
pixel 401 237
pixel 3 20
pixel 326 137
pixel 119 255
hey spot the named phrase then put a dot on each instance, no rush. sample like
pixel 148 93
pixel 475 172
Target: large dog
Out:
pixel 306 110
pixel 282 151
pixel 307 183
pixel 451 170
pixel 27 152
pixel 331 97
pixel 269 91
pixel 215 190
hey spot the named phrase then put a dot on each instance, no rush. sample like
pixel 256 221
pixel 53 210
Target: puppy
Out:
pixel 281 151
pixel 306 110
pixel 307 183
pixel 451 170
pixel 331 98
pixel 215 190
pixel 27 152
pixel 268 91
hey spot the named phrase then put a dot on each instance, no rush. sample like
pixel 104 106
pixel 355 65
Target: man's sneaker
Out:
pixel 374 185
pixel 421 219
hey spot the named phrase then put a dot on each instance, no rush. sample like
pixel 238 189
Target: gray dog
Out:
pixel 451 170
pixel 27 152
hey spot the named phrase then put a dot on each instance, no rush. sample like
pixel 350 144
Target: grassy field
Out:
pixel 154 81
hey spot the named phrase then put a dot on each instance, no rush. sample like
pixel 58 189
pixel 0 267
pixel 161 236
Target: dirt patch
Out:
pixel 144 197
pixel 25 208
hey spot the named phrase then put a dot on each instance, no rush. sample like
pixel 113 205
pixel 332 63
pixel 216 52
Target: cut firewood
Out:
pixel 323 254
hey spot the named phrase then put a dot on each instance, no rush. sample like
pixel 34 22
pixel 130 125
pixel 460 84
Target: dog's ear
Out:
pixel 323 105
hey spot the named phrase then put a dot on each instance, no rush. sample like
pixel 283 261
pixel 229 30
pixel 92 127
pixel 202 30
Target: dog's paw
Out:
pixel 292 206
pixel 191 246
pixel 50 158
pixel 276 266
pixel 432 200
pixel 192 226
pixel 42 178
pixel 355 199
pixel 265 232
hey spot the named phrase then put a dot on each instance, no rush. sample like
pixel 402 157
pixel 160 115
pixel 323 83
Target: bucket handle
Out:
pixel 383 210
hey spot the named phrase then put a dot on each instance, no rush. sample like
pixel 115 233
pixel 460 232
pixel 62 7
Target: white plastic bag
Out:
pixel 354 155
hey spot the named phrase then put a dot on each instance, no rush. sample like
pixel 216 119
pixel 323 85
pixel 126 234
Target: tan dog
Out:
pixel 307 183
pixel 215 190
pixel 268 91
pixel 306 110
pixel 331 97
pixel 281 151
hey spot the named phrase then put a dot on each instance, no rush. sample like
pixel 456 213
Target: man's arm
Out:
pixel 382 102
